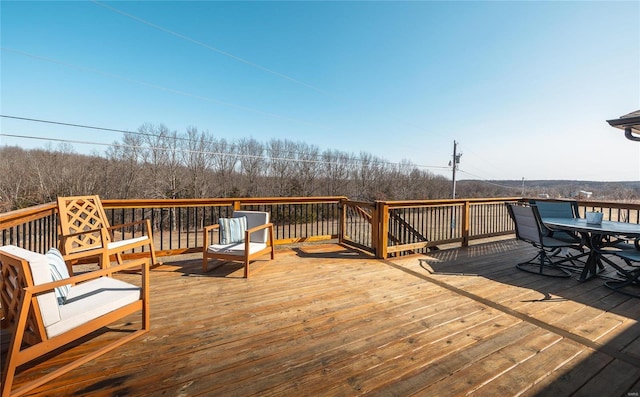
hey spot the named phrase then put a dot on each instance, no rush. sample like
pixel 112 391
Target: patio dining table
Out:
pixel 597 236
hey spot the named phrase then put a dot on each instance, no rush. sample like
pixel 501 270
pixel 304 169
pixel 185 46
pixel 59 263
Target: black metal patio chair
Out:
pixel 558 209
pixel 629 252
pixel 529 229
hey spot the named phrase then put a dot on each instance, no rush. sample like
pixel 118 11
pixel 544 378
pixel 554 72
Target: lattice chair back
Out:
pixel 82 214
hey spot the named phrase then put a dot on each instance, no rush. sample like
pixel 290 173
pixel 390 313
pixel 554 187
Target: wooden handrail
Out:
pixel 163 203
pixel 21 216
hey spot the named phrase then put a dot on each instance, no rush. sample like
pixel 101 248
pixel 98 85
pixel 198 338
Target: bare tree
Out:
pixel 161 161
pixel 224 159
pixel 252 165
pixel 15 189
pixel 367 175
pixel 124 170
pixel 336 167
pixel 306 170
pixel 281 160
pixel 197 158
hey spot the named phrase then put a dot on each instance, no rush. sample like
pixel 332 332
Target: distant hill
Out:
pixel 560 183
pixel 627 190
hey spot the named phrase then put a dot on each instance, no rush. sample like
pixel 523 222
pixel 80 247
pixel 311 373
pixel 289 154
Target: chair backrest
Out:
pixel 20 269
pixel 557 209
pixel 255 218
pixel 80 214
pixel 527 223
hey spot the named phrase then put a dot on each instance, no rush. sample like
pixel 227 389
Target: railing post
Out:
pixel 375 230
pixel 236 205
pixel 466 215
pixel 381 228
pixel 342 221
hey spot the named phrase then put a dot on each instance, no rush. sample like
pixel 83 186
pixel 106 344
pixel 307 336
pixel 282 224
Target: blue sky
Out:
pixel 525 88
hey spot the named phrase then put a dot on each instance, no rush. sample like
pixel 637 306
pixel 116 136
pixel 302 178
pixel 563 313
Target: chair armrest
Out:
pixel 205 234
pixel 257 229
pixel 147 223
pixel 122 226
pixel 83 250
pixel 90 231
pixel 210 227
pixel 134 264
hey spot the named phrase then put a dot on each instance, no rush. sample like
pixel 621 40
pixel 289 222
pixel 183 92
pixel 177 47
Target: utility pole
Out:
pixel 454 166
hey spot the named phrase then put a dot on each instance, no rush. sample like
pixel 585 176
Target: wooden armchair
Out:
pixel 41 318
pixel 243 237
pixel 85 232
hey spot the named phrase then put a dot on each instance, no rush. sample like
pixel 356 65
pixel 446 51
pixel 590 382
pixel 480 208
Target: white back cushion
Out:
pixel 255 218
pixel 40 273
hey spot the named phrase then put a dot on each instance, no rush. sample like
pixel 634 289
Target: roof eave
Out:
pixel 630 126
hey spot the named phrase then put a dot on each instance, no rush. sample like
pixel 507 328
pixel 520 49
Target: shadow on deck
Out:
pixel 327 320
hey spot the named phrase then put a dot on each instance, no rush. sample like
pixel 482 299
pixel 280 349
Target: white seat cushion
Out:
pixel 91 300
pixel 235 249
pixel 113 244
pixel 120 243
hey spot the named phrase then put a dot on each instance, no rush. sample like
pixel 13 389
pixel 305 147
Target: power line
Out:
pixel 351 160
pixel 225 53
pixel 209 47
pixel 89 127
pixel 468 150
pixel 481 179
pixel 61 123
pixel 155 86
pixel 240 155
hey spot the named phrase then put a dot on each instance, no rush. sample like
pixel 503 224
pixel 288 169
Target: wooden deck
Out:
pixel 324 320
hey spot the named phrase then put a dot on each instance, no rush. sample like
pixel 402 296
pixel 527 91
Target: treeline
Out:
pixel 155 162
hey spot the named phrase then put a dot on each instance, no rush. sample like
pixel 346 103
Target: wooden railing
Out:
pixel 34 228
pixel 382 228
pixel 613 211
pixel 177 224
pixel 402 227
pixel 392 228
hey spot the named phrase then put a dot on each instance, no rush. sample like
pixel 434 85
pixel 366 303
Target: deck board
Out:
pixel 326 320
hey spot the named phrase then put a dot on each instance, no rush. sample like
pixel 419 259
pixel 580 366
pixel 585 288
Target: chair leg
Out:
pixel 542 265
pixel 154 258
pixel 576 258
pixel 105 260
pixel 9 371
pixel 630 278
pixel 621 286
pixel 246 267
